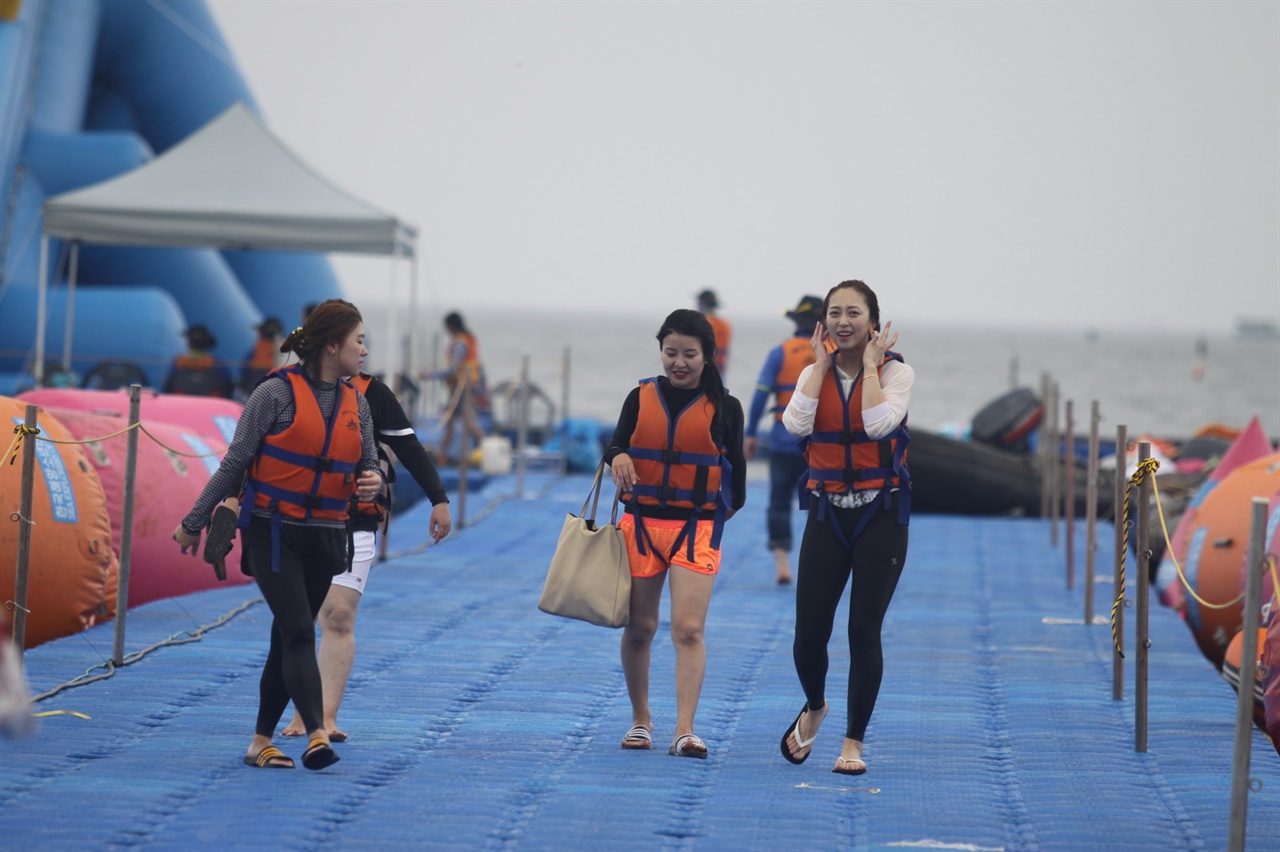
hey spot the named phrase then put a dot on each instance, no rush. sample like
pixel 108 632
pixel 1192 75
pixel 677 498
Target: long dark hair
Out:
pixel 695 324
pixel 454 323
pixel 329 322
pixel 873 304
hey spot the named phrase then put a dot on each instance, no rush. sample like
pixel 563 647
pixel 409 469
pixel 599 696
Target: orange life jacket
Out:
pixel 470 367
pixel 203 361
pixel 841 455
pixel 309 469
pixel 263 357
pixel 677 461
pixel 797 353
pixel 724 333
pixel 380 506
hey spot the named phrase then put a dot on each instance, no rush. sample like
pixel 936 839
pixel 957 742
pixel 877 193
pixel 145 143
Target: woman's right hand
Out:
pixel 187 540
pixel 624 472
pixel 818 342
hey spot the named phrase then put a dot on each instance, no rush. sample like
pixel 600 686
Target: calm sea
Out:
pixel 1146 380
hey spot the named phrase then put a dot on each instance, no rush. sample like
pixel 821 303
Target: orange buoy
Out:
pixel 73 564
pixel 168 481
pixel 1250 444
pixel 1219 541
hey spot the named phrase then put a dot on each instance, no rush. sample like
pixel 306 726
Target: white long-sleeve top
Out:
pixel 896 380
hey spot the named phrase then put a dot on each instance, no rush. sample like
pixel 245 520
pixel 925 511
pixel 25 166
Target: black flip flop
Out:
pixel 269 758
pixel 319 755
pixel 222 532
pixel 786 752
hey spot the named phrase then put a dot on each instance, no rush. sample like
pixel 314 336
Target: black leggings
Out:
pixel 825 566
pixel 309 558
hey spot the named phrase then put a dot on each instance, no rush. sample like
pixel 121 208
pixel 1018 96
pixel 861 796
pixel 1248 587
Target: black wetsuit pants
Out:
pixel 308 559
pixel 875 564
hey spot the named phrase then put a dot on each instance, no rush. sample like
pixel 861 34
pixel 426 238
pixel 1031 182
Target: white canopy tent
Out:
pixel 230 185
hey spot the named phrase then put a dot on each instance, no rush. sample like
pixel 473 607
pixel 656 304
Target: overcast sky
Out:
pixel 1080 163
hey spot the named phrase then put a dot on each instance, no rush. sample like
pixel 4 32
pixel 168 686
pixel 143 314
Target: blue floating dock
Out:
pixel 478 722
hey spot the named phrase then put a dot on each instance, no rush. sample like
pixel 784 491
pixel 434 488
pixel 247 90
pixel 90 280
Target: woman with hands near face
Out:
pixel 851 405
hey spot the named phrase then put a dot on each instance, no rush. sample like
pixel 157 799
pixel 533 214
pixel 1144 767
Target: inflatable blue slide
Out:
pixel 89 90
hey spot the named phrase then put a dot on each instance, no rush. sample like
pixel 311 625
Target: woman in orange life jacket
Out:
pixel 262 358
pixel 852 407
pixel 463 370
pixel 306 440
pixel 338 615
pixel 677 457
pixel 198 373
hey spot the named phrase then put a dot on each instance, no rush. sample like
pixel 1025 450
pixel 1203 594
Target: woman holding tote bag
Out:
pixel 677 457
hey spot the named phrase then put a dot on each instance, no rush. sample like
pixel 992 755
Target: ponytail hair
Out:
pixel 694 324
pixel 328 322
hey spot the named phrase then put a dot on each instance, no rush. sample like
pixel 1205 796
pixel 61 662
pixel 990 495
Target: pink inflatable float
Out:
pixel 169 478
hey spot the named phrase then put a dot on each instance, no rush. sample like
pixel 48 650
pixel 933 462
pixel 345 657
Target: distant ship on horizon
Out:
pixel 1257 328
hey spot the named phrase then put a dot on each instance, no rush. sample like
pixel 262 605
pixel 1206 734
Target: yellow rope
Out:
pixel 1148 465
pixel 89 440
pixel 18 431
pixel 1174 558
pixel 179 452
pixel 1151 466
pixel 138 425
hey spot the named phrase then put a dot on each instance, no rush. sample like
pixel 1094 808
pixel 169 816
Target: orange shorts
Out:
pixel 662 535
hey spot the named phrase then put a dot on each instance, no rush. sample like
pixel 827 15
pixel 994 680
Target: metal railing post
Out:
pixel 1091 513
pixel 1122 467
pixel 1069 506
pixel 1055 467
pixel 1141 643
pixel 564 413
pixel 22 581
pixel 522 426
pixel 1248 671
pixel 126 523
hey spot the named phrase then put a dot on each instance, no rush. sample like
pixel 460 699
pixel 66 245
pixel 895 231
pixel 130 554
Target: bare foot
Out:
pixel 294 729
pixel 783 565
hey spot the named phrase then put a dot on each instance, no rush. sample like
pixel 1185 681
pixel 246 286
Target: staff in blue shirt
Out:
pixel 786 460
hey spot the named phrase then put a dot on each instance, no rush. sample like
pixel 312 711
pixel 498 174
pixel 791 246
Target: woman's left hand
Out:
pixel 881 342
pixel 187 540
pixel 440 523
pixel 368 486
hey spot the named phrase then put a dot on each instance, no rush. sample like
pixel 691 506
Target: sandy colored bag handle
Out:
pixel 593 497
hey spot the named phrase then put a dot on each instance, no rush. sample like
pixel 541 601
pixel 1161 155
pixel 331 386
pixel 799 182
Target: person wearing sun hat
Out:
pixel 197 372
pixel 708 303
pixel 264 356
pixel 777 379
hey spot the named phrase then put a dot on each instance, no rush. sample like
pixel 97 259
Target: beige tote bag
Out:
pixel 590 578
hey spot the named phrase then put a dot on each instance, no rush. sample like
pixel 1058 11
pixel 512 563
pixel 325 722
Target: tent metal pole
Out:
pixel 42 309
pixel 71 305
pixel 412 366
pixel 390 346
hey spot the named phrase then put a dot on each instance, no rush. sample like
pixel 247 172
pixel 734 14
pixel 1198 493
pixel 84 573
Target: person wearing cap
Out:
pixel 264 356
pixel 786 458
pixel 197 373
pixel 708 303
